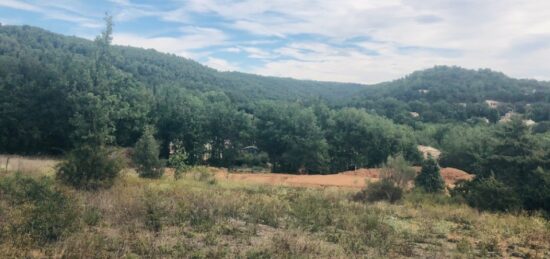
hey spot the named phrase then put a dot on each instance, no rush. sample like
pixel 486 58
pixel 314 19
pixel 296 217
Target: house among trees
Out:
pixel 492 103
pixel 509 115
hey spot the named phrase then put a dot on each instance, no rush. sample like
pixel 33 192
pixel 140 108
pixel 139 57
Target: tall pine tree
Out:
pixel 90 164
pixel 430 179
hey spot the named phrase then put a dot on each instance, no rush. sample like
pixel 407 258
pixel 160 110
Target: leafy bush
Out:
pixel 146 155
pixel 178 160
pixel 384 189
pixel 89 167
pixel 39 210
pixel 430 179
pixel 398 171
pixel 488 194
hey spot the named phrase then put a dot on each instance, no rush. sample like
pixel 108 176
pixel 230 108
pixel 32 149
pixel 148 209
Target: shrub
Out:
pixel 384 189
pixel 154 211
pixel 178 160
pixel 44 213
pixel 430 179
pixel 488 194
pixel 92 216
pixel 146 155
pixel 398 171
pixel 312 211
pixel 89 167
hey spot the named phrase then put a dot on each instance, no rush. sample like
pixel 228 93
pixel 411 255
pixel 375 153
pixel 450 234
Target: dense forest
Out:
pixel 451 94
pixel 68 96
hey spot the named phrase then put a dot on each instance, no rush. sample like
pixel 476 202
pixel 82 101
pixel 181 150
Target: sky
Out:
pixel 361 41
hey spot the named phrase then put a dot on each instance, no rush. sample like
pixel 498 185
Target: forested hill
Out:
pixel 437 95
pixel 446 93
pixel 29 48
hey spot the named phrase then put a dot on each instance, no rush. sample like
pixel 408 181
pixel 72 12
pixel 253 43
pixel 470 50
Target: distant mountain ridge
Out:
pixel 437 94
pixel 155 69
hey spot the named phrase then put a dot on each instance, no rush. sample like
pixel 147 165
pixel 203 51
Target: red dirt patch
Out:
pixel 353 179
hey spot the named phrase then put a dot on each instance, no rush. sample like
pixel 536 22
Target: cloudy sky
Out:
pixel 365 41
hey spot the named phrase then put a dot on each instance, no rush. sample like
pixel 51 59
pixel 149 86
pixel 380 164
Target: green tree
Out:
pixel 180 115
pixel 359 139
pixel 488 194
pixel 519 161
pixel 467 147
pixel 430 179
pixel 91 164
pixel 146 155
pixel 289 133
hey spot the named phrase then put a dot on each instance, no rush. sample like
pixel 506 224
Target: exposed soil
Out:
pixel 354 179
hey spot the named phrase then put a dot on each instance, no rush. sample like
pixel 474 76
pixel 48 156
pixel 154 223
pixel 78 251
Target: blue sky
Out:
pixel 364 41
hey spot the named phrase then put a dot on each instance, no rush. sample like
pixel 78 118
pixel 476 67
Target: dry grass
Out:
pixel 194 218
pixel 28 165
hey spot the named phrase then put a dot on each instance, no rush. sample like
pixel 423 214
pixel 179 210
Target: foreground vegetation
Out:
pixel 199 217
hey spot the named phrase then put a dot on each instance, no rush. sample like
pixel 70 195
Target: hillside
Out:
pixel 447 93
pixel 440 94
pixel 36 49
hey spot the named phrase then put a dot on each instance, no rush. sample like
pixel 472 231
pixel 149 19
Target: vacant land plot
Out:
pixel 200 216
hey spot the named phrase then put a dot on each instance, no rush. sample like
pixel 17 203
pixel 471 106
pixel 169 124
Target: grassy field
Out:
pixel 201 217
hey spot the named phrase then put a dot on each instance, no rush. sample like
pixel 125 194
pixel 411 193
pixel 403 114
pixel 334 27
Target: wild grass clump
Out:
pixel 311 211
pixel 36 209
pixel 381 190
pixel 202 174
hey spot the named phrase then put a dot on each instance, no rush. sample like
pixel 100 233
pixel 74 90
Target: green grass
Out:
pixel 196 217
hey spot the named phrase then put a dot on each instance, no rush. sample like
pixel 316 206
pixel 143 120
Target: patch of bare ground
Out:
pixel 351 179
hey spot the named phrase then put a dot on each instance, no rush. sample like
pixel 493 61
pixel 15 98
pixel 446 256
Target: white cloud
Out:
pixel 188 45
pixel 19 5
pixel 467 33
pixel 221 64
pixel 53 10
pixel 257 53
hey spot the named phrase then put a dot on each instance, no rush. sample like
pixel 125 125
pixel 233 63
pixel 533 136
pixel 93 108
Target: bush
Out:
pixel 203 174
pixel 398 171
pixel 430 179
pixel 178 160
pixel 155 212
pixel 146 155
pixel 384 189
pixel 488 194
pixel 89 167
pixel 39 210
pixel 92 216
